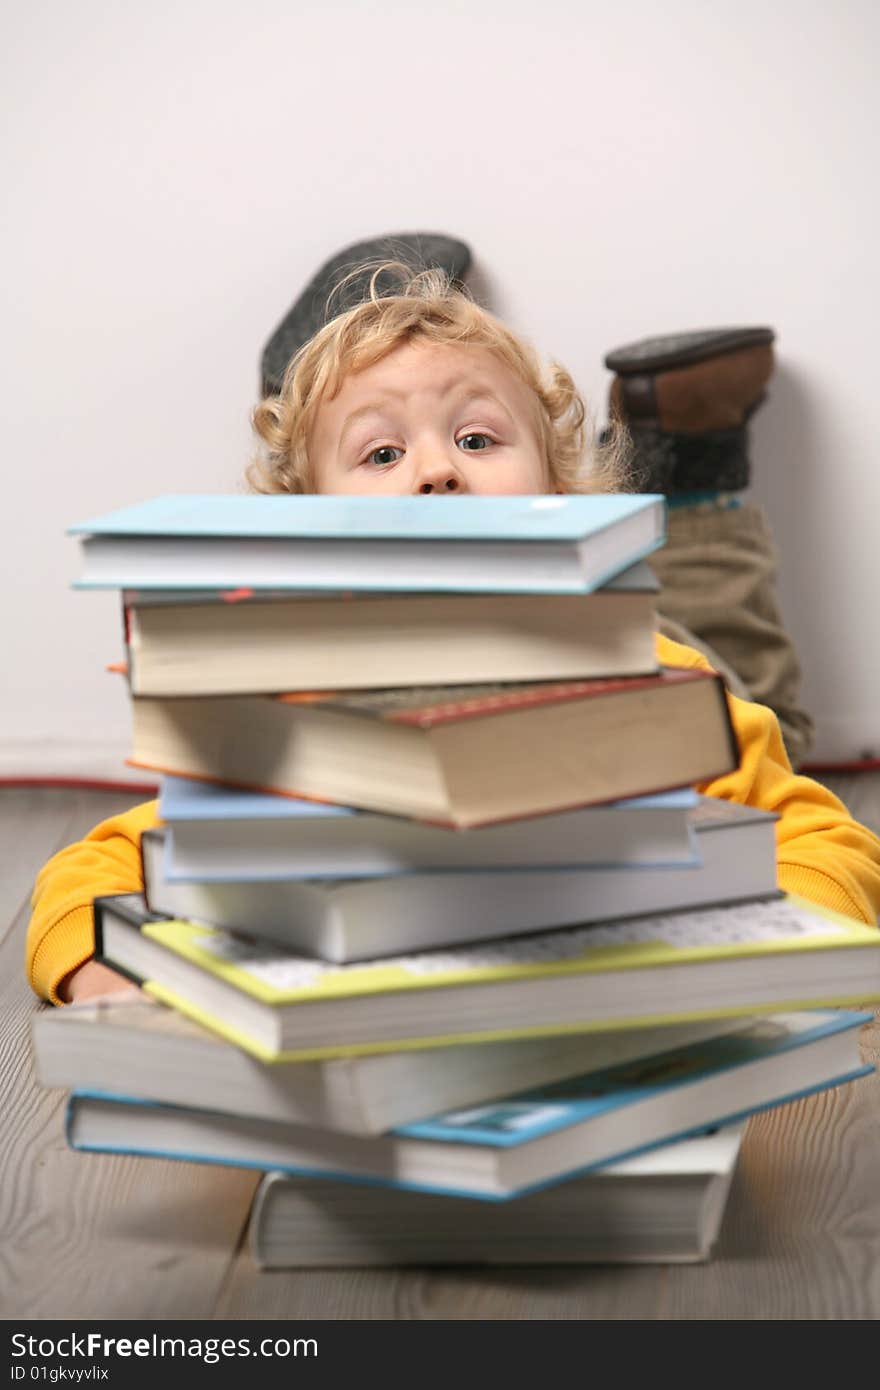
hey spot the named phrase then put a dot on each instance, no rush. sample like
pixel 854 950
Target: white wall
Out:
pixel 175 173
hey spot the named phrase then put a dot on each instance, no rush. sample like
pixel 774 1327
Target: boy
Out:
pixel 424 392
pixel 687 400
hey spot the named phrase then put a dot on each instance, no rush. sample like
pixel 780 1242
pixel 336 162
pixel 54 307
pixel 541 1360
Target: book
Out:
pixel 245 642
pixel 454 755
pixel 515 1145
pixel 128 1043
pixel 225 834
pixel 343 920
pixel 666 1206
pixel 744 958
pixel 516 544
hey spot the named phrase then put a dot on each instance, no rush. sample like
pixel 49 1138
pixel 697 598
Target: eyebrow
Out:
pixel 371 408
pixel 476 393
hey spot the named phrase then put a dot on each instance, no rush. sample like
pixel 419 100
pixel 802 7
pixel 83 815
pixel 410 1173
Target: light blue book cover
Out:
pixel 185 798
pixel 533 1114
pixel 509 518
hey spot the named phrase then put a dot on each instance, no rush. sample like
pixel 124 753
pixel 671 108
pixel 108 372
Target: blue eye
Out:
pixel 473 442
pixel 385 455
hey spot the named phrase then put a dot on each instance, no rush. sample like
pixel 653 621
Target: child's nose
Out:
pixel 448 484
pixel 438 473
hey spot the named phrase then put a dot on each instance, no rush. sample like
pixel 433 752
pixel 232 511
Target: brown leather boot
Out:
pixel 686 399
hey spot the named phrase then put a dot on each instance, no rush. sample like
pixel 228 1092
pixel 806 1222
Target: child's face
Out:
pixel 429 418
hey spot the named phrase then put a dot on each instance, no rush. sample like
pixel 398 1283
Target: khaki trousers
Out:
pixel 717 573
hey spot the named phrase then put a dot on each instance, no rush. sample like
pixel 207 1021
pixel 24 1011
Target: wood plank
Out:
pixel 33 823
pixel 94 1235
pixel 561 1292
pixel 801 1235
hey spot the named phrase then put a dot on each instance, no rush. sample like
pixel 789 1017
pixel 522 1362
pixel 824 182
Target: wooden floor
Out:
pixel 89 1235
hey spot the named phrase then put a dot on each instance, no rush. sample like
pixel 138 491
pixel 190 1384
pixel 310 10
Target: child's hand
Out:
pixel 90 980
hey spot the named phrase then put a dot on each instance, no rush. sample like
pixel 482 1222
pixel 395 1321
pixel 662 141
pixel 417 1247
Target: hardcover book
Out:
pixel 518 544
pixel 528 1140
pixel 225 834
pixel 130 1044
pixel 755 957
pixel 454 755
pixel 244 642
pixel 666 1206
pixel 348 919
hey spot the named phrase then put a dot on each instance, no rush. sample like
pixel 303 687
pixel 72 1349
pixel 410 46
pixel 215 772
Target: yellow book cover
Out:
pixel 749 957
pixel 276 977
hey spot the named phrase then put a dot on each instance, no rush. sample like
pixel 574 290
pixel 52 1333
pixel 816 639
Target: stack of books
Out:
pixel 580 1156
pixel 435 931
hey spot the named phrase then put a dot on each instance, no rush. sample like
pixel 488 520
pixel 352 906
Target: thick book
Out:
pixel 755 957
pixel 129 1044
pixel 516 544
pixel 662 1207
pixel 453 755
pixel 216 833
pixel 525 1141
pixel 342 920
pixel 244 642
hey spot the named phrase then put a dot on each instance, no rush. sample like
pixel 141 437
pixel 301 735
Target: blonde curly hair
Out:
pixel 426 305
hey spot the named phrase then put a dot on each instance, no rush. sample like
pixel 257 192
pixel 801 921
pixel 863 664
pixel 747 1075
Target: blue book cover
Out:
pixel 185 798
pixel 215 833
pixel 520 1119
pixel 507 544
pixel 568 518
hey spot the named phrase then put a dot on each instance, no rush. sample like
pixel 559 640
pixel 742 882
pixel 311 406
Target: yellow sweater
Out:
pixel 822 853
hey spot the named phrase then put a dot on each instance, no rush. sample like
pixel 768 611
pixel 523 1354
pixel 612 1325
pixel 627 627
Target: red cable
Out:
pixel 854 765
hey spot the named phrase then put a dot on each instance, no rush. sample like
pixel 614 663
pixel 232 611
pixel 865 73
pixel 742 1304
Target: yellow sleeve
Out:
pixel 821 852
pixel 61 932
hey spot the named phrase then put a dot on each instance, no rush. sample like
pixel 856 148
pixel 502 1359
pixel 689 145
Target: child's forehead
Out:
pixel 435 368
